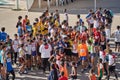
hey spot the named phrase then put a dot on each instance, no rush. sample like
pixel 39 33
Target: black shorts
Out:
pixel 96 44
pixel 74 77
pixel 68 52
pixel 75 54
pixel 91 25
pixel 28 57
pixel 117 43
pixel 111 68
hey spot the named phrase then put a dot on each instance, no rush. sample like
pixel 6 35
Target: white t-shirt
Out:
pixel 102 56
pixel 52 32
pixel 101 66
pixel 74 50
pixel 96 24
pixel 66 16
pixel 33 45
pixel 45 50
pixel 117 36
pixel 15 45
pixel 107 31
pixel 29 49
pixel 21 52
pixel 91 20
pixel 111 60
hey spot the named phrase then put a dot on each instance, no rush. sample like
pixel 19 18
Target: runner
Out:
pixel 83 54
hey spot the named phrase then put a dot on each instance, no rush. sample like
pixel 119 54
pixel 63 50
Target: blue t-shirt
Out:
pixel 80 21
pixel 3 36
pixel 88 15
pixel 29 28
pixel 0 36
pixel 9 64
pixel 19 30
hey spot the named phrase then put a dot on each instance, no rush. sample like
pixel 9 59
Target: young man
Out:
pixel 45 50
pixel 80 20
pixel 26 20
pixel 3 34
pixel 117 39
pixel 111 65
pixel 9 67
pixel 83 53
pixel 15 45
pixel 62 77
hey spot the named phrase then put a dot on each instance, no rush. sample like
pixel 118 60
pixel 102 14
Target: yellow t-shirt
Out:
pixel 34 30
pixel 41 27
pixel 56 23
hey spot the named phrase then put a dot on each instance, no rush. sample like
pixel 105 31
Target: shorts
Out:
pixel 83 58
pixel 117 43
pixel 28 56
pixel 68 52
pixel 34 53
pixel 111 68
pixel 92 55
pixel 91 25
pixel 74 77
pixel 75 54
pixel 103 47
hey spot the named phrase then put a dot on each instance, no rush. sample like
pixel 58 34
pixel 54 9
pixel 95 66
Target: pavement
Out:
pixel 8 19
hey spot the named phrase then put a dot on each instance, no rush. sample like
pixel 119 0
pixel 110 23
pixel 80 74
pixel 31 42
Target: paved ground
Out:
pixel 82 6
pixel 8 19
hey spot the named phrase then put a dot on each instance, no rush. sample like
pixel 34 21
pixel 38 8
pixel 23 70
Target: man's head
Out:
pixel 62 73
pixel 3 29
pixel 118 27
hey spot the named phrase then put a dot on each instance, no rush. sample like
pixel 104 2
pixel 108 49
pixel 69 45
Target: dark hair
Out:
pixel 15 34
pixel 73 63
pixel 62 73
pixel 78 15
pixel 89 42
pixel 26 16
pixel 100 60
pixel 3 29
pixel 110 51
pixel 3 46
pixel 19 17
pixel 118 27
pixel 22 45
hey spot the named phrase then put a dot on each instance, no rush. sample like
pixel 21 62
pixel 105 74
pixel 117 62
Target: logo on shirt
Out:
pixel 46 47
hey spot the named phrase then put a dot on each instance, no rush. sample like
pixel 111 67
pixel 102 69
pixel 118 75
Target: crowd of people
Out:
pixel 51 44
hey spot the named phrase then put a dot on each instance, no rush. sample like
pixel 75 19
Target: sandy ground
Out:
pixel 8 19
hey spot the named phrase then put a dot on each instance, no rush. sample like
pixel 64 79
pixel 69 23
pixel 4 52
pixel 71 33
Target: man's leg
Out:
pixel 44 64
pixel 13 74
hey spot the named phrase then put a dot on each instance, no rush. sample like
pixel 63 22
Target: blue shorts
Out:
pixel 34 53
pixel 92 55
pixel 83 58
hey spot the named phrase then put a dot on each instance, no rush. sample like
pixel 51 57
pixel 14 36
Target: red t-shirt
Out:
pixel 62 78
pixel 96 36
pixel 84 36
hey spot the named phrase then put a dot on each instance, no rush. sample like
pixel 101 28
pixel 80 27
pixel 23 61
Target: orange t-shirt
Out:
pixel 82 50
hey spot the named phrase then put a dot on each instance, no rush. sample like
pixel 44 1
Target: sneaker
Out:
pixel 25 72
pixel 82 70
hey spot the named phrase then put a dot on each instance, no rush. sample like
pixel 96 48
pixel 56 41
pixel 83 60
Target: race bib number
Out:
pixel 82 50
